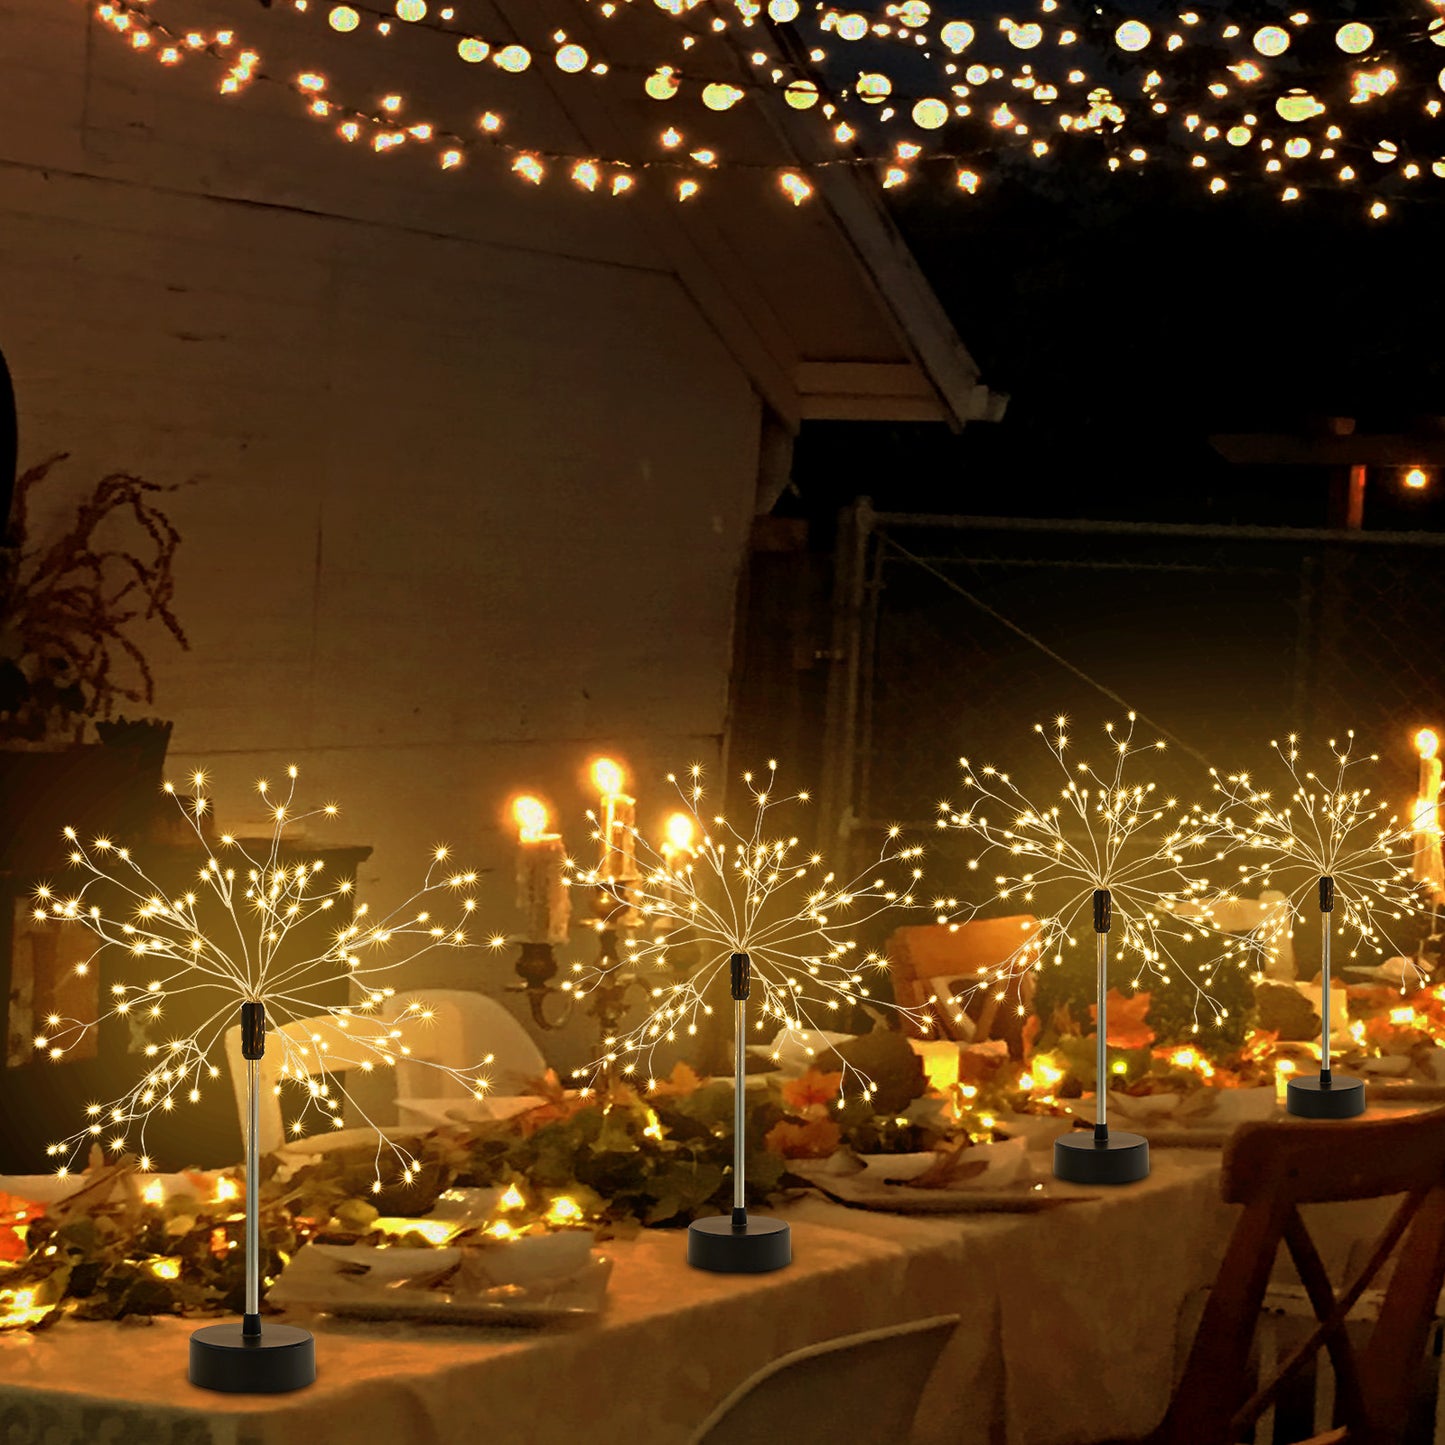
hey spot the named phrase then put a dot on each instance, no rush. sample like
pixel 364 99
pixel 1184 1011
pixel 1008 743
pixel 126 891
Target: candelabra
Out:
pixel 537 967
pixel 606 986
pixel 613 979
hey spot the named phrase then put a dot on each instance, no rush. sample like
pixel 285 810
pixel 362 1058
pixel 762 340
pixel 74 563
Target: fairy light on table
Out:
pixel 1109 851
pixel 1335 848
pixel 232 939
pixel 749 905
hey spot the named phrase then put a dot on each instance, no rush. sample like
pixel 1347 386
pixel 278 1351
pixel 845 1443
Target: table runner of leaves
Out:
pixel 108 1252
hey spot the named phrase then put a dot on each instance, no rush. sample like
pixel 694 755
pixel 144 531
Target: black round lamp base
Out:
pixel 713 1244
pixel 1320 1098
pixel 280 1358
pixel 1120 1159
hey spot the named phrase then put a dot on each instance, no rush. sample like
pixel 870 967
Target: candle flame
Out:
pixel 680 831
pixel 564 1210
pixel 1427 742
pixel 530 816
pixel 607 776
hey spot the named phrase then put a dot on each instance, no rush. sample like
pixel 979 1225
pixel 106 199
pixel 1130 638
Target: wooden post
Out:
pixel 1355 506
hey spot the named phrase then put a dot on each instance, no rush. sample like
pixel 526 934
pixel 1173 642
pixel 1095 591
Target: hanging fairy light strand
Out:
pixel 1298 106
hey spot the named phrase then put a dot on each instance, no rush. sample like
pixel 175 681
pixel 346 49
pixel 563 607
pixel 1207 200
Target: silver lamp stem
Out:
pixel 1101 1092
pixel 1103 920
pixel 739 1111
pixel 253 1194
pixel 253 1049
pixel 1327 905
pixel 741 969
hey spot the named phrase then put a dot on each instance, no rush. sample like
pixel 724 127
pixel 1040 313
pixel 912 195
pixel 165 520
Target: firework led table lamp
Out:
pixel 1102 1157
pixel 746 904
pixel 1324 1096
pixel 1334 841
pixel 239 937
pixel 1108 847
pixel 244 1358
pixel 739 1243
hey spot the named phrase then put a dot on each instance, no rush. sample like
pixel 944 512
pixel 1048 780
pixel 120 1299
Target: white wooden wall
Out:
pixel 472 474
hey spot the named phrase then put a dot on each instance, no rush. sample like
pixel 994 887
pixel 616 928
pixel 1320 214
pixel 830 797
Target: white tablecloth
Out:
pixel 1068 1335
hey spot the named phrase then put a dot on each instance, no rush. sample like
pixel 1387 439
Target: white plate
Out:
pixel 1143 1106
pixel 317 1289
pixel 1039 1130
pixel 431 1112
pixel 861 1191
pixel 885 1168
pixel 572 1300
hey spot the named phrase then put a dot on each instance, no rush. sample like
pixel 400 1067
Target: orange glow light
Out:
pixel 530 816
pixel 679 832
pixel 1427 742
pixel 607 776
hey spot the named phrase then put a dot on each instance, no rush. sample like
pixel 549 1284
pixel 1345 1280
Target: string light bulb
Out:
pixel 921 92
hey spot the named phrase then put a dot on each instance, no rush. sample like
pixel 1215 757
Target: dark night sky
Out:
pixel 1129 318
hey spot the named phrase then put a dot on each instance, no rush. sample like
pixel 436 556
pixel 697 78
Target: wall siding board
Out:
pixel 472 475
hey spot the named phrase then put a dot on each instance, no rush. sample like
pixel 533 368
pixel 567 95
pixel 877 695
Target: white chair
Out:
pixel 464 1028
pixel 858 1390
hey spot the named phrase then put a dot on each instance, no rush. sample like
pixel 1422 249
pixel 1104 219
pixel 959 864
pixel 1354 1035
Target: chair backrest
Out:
pixel 1273 1169
pixel 314 1046
pixel 464 1028
pixel 954 960
pixel 863 1389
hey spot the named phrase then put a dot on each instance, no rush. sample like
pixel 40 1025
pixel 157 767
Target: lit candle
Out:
pixel 677 851
pixel 1427 867
pixel 542 896
pixel 618 823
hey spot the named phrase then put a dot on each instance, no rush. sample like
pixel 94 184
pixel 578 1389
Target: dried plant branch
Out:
pixel 73 606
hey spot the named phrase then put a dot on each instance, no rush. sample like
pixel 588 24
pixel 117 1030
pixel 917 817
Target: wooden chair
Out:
pixel 863 1389
pixel 924 959
pixel 1273 1169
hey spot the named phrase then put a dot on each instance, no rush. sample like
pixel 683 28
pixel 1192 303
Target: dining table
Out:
pixel 1069 1331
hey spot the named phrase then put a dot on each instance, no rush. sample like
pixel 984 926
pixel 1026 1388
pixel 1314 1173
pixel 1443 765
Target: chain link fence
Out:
pixel 953 636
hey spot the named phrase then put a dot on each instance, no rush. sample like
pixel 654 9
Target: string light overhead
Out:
pixel 1296 105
